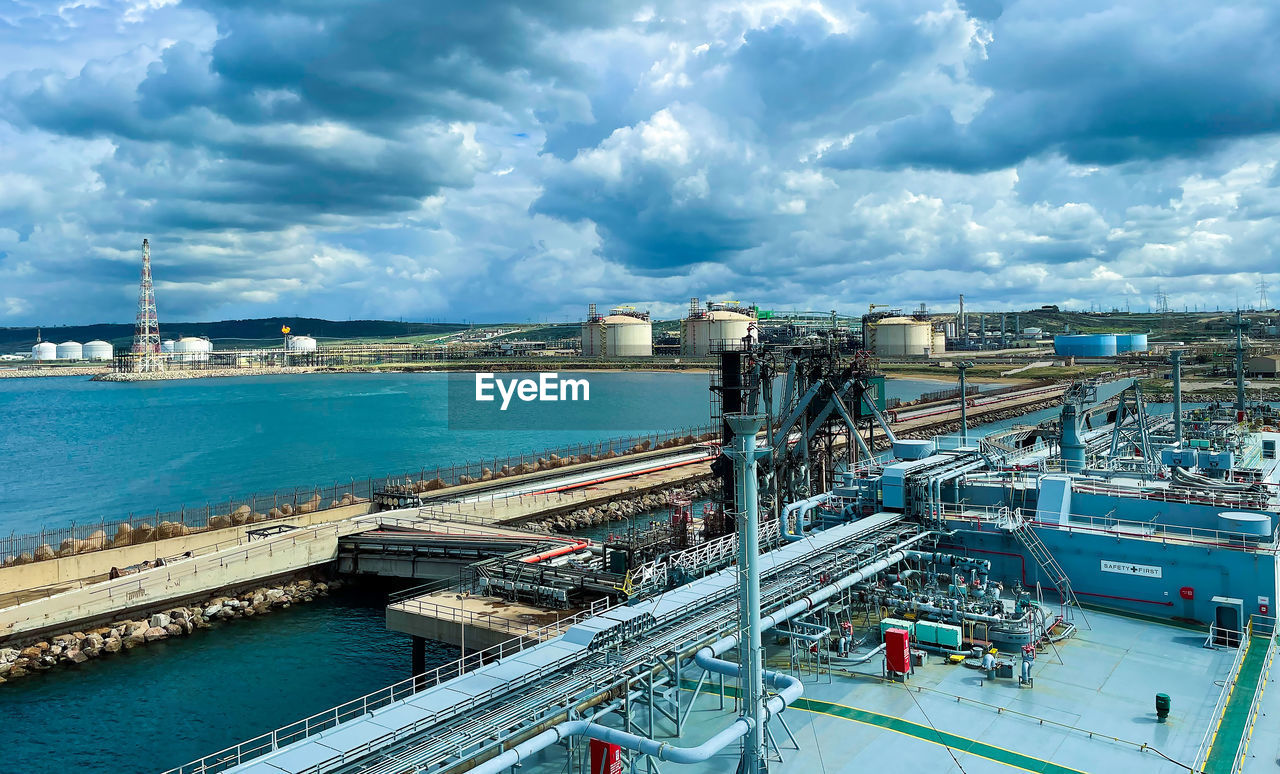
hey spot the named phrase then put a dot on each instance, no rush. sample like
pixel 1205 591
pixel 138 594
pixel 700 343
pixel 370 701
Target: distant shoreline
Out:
pixel 33 373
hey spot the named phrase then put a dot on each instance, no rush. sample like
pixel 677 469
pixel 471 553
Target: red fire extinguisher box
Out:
pixel 897 650
pixel 606 758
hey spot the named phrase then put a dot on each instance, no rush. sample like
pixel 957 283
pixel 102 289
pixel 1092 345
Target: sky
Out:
pixel 515 161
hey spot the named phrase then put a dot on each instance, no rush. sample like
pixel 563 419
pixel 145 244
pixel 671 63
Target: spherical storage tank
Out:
pixel 302 344
pixel 1131 342
pixel 720 327
pixel 901 337
pixel 1091 345
pixel 70 350
pixel 44 350
pixel 192 350
pixel 98 350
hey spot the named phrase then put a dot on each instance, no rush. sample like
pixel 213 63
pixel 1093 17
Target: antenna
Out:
pixel 146 333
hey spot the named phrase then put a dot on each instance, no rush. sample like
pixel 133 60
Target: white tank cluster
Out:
pixel 98 350
pixel 722 325
pixel 623 332
pixel 70 350
pixel 44 350
pixel 191 349
pixel 302 344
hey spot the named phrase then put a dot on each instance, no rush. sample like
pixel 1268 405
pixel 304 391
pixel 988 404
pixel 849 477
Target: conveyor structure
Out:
pixel 624 656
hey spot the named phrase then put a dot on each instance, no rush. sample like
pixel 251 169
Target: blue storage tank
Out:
pixel 1131 342
pixel 1091 345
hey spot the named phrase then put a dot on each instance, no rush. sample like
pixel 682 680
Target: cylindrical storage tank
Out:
pixel 1131 342
pixel 901 337
pixel 716 330
pixel 1252 525
pixel 302 344
pixel 1090 345
pixel 44 350
pixel 627 336
pixel 168 345
pixel 192 350
pixel 70 350
pixel 98 350
pixel 592 339
pixel 939 342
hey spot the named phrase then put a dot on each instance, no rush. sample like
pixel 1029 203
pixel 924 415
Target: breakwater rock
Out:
pixel 129 534
pixel 201 373
pixel 621 508
pixel 23 659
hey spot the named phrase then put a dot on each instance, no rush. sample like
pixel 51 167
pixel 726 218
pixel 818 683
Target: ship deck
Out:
pixel 1092 711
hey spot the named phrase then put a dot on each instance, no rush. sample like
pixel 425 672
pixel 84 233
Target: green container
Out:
pixel 947 636
pixel 1163 704
pixel 897 623
pixel 926 633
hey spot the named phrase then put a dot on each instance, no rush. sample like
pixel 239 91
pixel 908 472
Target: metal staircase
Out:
pixel 1019 526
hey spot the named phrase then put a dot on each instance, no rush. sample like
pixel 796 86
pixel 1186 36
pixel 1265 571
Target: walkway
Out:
pixel 1236 715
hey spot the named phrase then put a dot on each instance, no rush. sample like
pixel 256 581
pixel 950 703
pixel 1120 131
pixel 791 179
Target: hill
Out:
pixel 231 334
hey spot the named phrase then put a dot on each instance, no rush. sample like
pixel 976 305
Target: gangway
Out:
pixel 1013 522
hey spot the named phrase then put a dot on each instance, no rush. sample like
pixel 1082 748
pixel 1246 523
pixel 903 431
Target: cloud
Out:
pixel 505 161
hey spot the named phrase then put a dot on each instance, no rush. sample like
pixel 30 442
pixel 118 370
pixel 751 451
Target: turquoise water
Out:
pixel 77 451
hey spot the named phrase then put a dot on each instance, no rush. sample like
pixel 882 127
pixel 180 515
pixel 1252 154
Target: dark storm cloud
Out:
pixel 244 122
pixel 1101 84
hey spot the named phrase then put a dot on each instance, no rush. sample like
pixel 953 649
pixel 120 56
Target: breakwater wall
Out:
pixel 19 660
pixel 286 503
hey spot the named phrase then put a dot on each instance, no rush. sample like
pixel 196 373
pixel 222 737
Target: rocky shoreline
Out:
pixel 620 509
pixel 26 373
pixel 131 535
pixel 78 647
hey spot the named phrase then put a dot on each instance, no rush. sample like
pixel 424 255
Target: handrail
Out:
pixel 321 721
pixel 1242 749
pixel 1224 695
pixel 1112 527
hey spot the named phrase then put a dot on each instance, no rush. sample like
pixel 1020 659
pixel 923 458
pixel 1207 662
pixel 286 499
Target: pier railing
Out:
pixel 384 697
pixel 139 528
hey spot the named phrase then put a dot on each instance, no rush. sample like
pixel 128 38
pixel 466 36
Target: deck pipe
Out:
pixel 864 658
pixel 745 427
pixel 800 508
pixel 789 689
pixel 1175 357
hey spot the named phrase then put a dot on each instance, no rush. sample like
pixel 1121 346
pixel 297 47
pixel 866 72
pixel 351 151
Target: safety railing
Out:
pixel 1113 527
pixel 323 721
pixel 492 621
pixel 1219 707
pixel 1258 626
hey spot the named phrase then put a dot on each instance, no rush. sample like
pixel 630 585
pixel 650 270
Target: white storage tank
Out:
pixel 98 350
pixel 191 349
pixel 168 345
pixel 901 337
pixel 70 350
pixel 44 350
pixel 724 325
pixel 302 344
